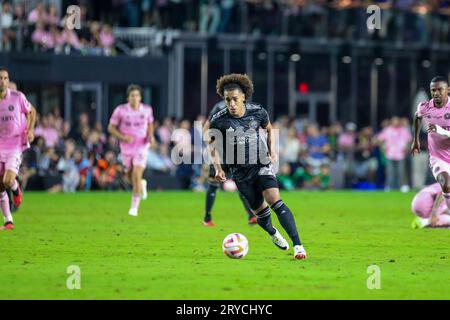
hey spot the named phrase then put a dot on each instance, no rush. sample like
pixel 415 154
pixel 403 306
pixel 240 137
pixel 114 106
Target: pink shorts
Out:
pixel 438 166
pixel 10 161
pixel 138 159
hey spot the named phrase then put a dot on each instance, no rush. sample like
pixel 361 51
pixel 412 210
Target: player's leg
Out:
pixel 257 204
pixel 4 204
pixel 136 179
pixel 254 196
pixel 443 179
pixel 441 221
pixel 10 182
pixel 127 161
pixel 140 161
pixel 421 206
pixel 271 193
pixel 211 193
pixel 250 215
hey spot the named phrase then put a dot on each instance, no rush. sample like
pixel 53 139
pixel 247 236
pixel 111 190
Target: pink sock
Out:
pixel 4 204
pixel 135 200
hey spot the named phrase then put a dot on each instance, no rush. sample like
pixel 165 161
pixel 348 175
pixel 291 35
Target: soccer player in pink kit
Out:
pixel 430 209
pixel 132 124
pixel 436 113
pixel 16 132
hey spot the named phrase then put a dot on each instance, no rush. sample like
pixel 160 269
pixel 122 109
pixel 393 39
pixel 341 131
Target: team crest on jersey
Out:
pixel 447 116
pixel 11 108
pixel 253 124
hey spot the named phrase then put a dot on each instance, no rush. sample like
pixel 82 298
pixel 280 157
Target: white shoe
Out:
pixel 299 253
pixel 144 189
pixel 133 212
pixel 279 241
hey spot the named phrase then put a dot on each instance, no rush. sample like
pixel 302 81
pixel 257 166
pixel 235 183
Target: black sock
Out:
pixel 263 218
pixel 246 206
pixel 287 221
pixel 210 198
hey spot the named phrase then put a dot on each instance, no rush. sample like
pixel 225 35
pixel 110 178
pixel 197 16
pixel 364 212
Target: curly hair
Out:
pixel 235 80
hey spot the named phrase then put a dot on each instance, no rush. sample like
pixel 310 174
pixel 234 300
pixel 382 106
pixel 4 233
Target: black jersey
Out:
pixel 243 146
pixel 217 107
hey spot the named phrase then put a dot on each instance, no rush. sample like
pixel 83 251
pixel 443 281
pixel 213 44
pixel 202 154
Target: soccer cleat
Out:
pixel 133 212
pixel 299 253
pixel 8 226
pixel 252 220
pixel 209 223
pixel 418 223
pixel 17 196
pixel 279 241
pixel 144 189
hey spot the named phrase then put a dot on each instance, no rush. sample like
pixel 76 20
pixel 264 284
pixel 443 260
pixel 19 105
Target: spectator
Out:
pixel 105 172
pixel 84 169
pixel 49 133
pixel 107 40
pixel 395 141
pixel 71 176
pixel 6 26
pixel 38 14
pixel 209 16
pixel 318 146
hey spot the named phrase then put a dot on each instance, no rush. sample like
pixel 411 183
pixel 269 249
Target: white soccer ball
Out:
pixel 229 186
pixel 235 246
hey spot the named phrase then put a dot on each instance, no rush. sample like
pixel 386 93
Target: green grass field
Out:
pixel 166 253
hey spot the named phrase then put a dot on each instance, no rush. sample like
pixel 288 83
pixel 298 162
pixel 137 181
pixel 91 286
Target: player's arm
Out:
pixel 215 156
pixel 439 130
pixel 436 204
pixel 31 122
pixel 415 147
pixel 114 131
pixel 151 133
pixel 271 142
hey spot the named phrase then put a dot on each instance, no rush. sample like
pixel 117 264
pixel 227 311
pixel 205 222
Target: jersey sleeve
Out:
pixel 25 105
pixel 116 117
pixel 264 118
pixel 214 124
pixel 421 109
pixel 214 110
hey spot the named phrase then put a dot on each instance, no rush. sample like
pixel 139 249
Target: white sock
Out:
pixel 15 186
pixel 8 218
pixel 425 222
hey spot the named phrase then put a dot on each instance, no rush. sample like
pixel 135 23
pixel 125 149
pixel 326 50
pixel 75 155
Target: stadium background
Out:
pixel 329 83
pixel 313 63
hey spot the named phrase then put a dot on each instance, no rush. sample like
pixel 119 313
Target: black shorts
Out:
pixel 252 189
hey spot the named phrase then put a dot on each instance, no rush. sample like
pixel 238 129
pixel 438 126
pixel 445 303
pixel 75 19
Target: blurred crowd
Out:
pixel 83 157
pixel 43 28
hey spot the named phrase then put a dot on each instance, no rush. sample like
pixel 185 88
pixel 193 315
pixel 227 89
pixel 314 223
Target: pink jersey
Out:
pixel 133 123
pixel 13 125
pixel 438 146
pixel 396 142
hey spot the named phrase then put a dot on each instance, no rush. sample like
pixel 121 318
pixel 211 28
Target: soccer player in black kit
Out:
pixel 236 130
pixel 213 185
